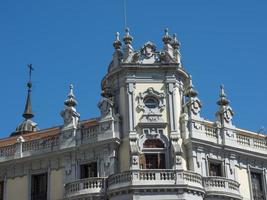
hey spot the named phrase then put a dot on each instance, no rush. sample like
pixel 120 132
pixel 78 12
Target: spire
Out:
pixel 166 38
pixel 223 101
pixel 27 125
pixel 193 104
pixel 70 101
pixel 225 112
pixel 127 37
pixel 117 42
pixel 27 114
pixel 69 113
pixel 175 44
pixel 190 91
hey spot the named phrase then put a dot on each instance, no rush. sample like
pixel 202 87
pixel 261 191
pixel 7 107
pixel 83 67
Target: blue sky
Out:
pixel 70 41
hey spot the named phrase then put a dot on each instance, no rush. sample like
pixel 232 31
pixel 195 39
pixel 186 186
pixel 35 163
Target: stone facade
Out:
pixel 149 141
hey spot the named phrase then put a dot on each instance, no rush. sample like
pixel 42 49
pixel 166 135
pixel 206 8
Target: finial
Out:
pixel 27 114
pixel 175 44
pixel 127 38
pixel 191 92
pixel 71 101
pixel 166 38
pixel 117 42
pixel 223 101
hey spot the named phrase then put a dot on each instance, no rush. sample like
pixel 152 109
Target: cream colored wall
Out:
pixel 124 155
pixel 17 188
pixel 243 179
pixel 57 184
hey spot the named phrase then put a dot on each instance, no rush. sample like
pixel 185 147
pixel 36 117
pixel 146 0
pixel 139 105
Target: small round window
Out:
pixel 151 102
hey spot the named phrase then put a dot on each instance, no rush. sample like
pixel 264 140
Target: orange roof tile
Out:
pixel 43 133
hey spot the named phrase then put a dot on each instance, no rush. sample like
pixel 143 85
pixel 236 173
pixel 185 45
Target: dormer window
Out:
pixel 151 102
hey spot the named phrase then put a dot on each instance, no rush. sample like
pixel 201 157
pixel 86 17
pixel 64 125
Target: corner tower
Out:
pixel 147 89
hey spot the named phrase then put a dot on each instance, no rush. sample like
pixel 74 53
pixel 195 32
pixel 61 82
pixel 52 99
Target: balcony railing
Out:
pixel 154 178
pixel 218 186
pixel 208 131
pixel 86 186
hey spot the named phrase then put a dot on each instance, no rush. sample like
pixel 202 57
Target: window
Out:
pixel 1 190
pixel 154 155
pixel 151 102
pixel 257 186
pixel 39 187
pixel 88 170
pixel 215 169
pixel 155 161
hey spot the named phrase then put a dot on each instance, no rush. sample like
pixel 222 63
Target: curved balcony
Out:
pixel 220 186
pixel 86 187
pixel 162 178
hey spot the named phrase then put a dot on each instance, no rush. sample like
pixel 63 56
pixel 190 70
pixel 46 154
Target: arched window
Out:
pixel 153 156
pixel 153 143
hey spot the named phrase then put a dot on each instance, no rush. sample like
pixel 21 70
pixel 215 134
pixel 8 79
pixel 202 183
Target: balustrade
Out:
pixel 216 185
pixel 85 186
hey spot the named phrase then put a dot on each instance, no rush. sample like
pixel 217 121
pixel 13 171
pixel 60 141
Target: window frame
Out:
pixel 263 174
pixel 217 162
pixel 87 163
pixel 47 183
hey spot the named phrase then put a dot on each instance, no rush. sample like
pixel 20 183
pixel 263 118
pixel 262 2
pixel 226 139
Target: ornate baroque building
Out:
pixel 149 142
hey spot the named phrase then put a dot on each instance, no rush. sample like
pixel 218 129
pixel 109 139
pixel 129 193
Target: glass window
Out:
pixel 257 187
pixel 1 190
pixel 151 102
pixel 88 170
pixel 215 169
pixel 153 143
pixel 39 187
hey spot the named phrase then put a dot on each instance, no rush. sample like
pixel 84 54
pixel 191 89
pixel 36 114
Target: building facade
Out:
pixel 150 140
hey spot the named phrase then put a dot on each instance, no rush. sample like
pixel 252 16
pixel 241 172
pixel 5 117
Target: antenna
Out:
pixel 125 14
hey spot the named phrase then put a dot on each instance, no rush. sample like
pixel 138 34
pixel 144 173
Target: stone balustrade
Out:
pixel 48 143
pixel 155 178
pixel 7 151
pixel 254 141
pixel 217 186
pixel 88 135
pixel 205 130
pixel 85 186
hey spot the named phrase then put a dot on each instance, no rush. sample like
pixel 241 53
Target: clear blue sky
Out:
pixel 70 41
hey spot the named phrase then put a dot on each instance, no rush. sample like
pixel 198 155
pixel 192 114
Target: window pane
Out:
pixel 39 187
pixel 1 190
pixel 256 183
pixel 151 102
pixel 215 169
pixel 88 170
pixel 155 161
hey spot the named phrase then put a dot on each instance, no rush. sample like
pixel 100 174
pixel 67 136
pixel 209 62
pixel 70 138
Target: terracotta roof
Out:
pixel 44 133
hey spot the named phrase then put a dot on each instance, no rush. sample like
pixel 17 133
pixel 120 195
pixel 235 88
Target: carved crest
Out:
pixel 105 105
pixel 150 92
